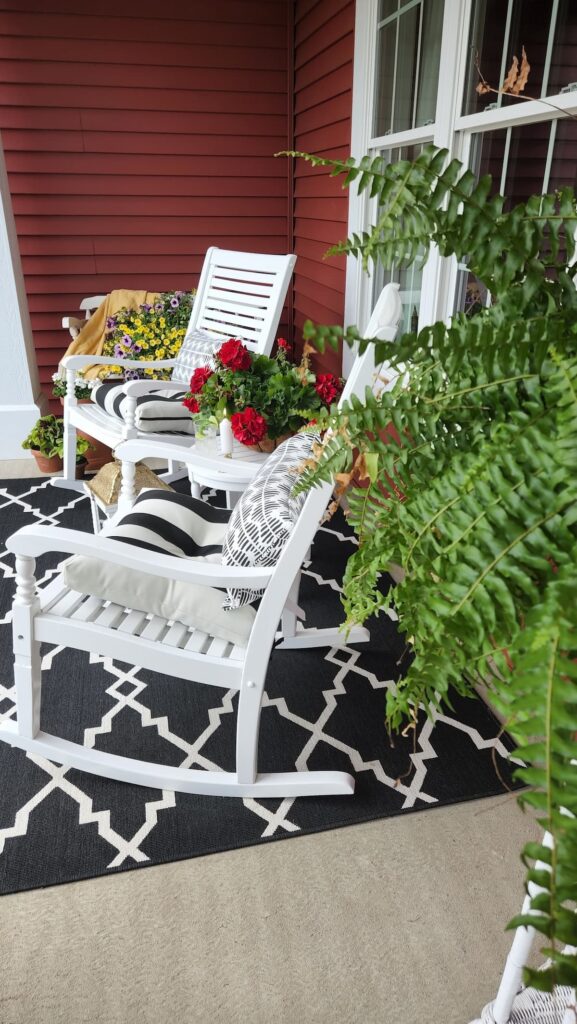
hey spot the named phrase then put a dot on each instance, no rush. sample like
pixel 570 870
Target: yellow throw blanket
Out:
pixel 90 340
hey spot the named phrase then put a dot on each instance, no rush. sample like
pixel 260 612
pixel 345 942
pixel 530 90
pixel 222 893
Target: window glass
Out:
pixel 499 30
pixel 409 278
pixel 408 51
pixel 526 160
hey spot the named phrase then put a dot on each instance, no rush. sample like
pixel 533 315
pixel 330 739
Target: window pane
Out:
pixel 385 78
pixel 429 61
pixel 387 7
pixel 524 161
pixel 409 278
pixel 408 43
pixel 500 29
pixel 408 52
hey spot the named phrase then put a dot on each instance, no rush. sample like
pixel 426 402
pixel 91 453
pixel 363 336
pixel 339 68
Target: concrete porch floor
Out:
pixel 398 921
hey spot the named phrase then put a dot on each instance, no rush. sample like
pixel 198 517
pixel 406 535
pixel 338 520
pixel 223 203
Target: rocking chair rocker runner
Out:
pixel 239 295
pixel 61 615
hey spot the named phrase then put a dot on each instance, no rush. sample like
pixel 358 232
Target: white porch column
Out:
pixel 21 402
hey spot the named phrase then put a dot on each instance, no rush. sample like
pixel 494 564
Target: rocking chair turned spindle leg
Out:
pixel 27 671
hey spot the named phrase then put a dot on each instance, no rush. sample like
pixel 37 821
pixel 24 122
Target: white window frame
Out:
pixel 451 130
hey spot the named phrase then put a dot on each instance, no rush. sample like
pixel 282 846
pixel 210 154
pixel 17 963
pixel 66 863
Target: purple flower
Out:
pixel 146 307
pixel 179 294
pixel 136 347
pixel 110 323
pixel 175 302
pixel 127 339
pixel 118 351
pixel 158 307
pixel 132 375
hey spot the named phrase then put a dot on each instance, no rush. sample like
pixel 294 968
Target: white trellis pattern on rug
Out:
pixel 124 691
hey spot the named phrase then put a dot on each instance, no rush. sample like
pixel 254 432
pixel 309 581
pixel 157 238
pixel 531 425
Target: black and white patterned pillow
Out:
pixel 263 519
pixel 158 413
pixel 173 524
pixel 197 349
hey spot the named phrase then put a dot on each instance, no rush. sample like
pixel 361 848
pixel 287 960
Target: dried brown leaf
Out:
pixel 523 74
pixel 483 88
pixel 511 78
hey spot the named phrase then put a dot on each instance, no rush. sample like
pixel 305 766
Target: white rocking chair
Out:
pixel 239 295
pixel 60 615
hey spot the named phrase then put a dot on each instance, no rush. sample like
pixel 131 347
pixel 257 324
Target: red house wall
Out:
pixel 324 41
pixel 136 135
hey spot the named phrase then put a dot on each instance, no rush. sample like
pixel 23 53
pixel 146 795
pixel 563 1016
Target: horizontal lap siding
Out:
pixel 324 31
pixel 137 135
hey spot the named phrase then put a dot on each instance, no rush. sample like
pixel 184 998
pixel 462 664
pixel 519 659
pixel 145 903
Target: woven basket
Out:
pixel 107 482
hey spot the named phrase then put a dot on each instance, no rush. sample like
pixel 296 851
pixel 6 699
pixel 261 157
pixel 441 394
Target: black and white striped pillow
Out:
pixel 160 413
pixel 156 414
pixel 173 524
pixel 264 517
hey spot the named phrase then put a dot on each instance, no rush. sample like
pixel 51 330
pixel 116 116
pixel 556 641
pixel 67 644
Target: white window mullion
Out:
pixel 439 273
pixel 358 286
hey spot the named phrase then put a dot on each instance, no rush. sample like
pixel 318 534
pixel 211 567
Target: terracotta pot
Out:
pixel 52 464
pixel 80 468
pixel 99 454
pixel 267 445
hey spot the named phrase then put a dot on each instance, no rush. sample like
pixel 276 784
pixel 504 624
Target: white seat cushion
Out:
pixel 172 524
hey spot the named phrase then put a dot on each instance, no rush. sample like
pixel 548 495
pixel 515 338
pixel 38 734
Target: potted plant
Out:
pixel 477 495
pixel 97 453
pixel 265 398
pixel 46 442
pixel 150 332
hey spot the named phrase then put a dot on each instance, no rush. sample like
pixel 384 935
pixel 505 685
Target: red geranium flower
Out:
pixel 191 404
pixel 282 343
pixel 248 426
pixel 234 355
pixel 328 387
pixel 199 378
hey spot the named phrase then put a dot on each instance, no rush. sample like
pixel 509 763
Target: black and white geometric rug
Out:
pixel 323 709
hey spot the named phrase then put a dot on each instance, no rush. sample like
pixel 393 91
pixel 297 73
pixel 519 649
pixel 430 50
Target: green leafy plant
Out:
pixel 474 489
pixel 82 387
pixel 47 437
pixel 263 396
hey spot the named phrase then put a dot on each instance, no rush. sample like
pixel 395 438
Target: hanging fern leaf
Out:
pixel 472 488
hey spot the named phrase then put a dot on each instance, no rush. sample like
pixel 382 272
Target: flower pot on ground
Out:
pixel 97 454
pixel 265 398
pixel 46 442
pixel 47 463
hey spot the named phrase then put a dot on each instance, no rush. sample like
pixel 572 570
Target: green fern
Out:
pixel 473 484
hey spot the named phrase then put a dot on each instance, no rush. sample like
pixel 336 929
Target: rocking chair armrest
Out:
pixel 136 388
pixel 32 541
pixel 77 362
pixel 140 448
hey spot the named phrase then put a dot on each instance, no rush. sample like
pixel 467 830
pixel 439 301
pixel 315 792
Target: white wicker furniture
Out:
pixel 64 616
pixel 239 295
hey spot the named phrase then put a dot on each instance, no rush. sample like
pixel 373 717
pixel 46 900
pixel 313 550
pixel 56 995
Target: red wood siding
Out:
pixel 324 39
pixel 136 135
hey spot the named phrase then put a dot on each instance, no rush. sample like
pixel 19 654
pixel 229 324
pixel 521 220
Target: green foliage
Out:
pixel 471 485
pixel 47 437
